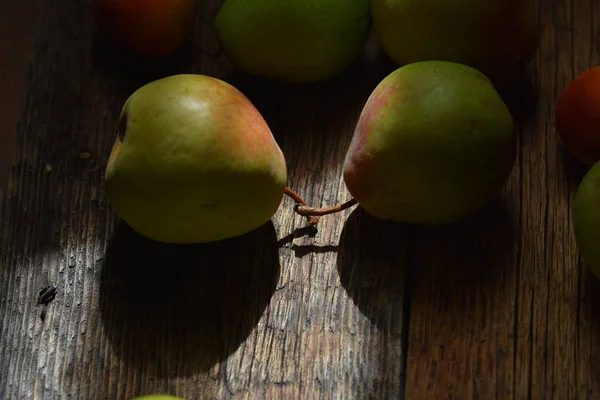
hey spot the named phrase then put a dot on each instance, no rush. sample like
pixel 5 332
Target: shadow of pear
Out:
pixel 373 266
pixel 373 260
pixel 520 95
pixel 460 266
pixel 174 310
pixel 574 169
pixel 589 323
pixel 131 71
pixel 381 264
pixel 590 293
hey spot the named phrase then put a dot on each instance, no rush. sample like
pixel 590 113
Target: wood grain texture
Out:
pixel 497 306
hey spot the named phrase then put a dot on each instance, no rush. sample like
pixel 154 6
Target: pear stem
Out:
pixel 312 221
pixel 312 211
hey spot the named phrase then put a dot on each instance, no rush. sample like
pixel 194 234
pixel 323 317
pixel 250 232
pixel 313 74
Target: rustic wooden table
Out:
pixel 497 306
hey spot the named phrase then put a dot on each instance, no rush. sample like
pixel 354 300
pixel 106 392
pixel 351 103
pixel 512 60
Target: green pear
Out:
pixel 433 144
pixel 294 41
pixel 586 219
pixel 493 36
pixel 194 161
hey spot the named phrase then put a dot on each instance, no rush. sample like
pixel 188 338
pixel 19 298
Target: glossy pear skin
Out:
pixel 493 36
pixel 197 162
pixel 433 144
pixel 294 41
pixel 586 219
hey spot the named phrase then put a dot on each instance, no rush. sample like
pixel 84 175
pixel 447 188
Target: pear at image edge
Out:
pixel 586 219
pixel 294 41
pixel 434 143
pixel 194 161
pixel 492 36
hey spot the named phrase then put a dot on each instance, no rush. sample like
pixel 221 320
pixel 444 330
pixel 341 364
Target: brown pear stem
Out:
pixel 312 221
pixel 312 211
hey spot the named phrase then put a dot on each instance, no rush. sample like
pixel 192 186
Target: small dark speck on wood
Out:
pixel 47 294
